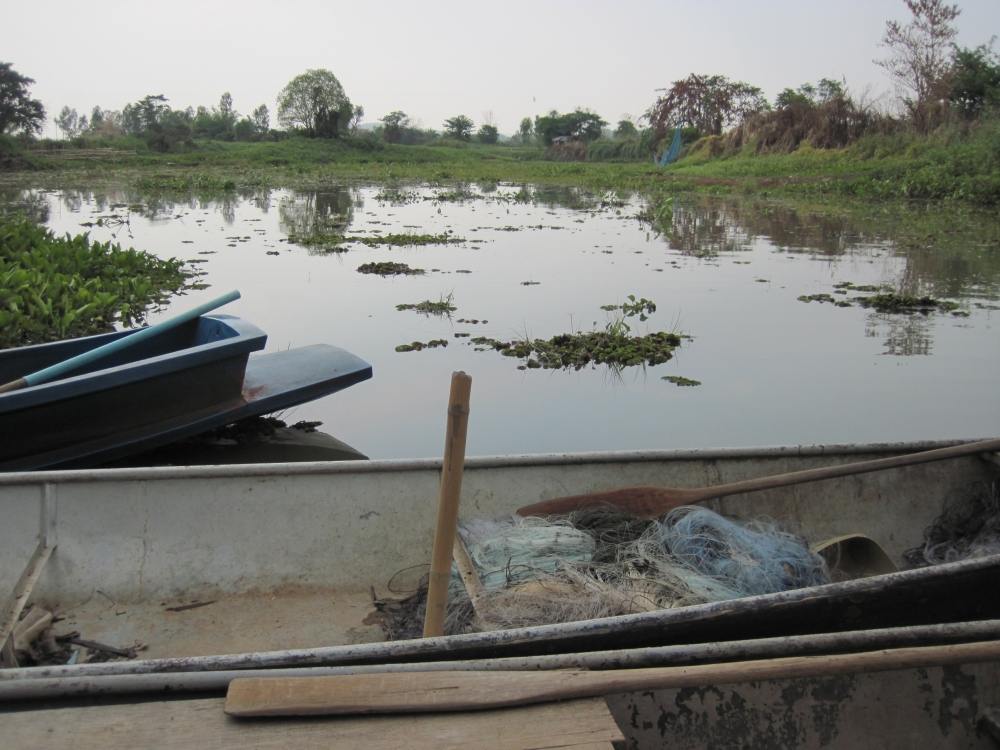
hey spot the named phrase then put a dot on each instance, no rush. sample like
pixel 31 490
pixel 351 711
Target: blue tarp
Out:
pixel 671 154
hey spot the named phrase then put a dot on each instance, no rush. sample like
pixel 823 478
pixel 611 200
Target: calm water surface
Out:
pixel 774 370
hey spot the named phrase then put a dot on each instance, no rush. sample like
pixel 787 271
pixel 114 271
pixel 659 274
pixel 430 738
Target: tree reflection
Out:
pixel 318 214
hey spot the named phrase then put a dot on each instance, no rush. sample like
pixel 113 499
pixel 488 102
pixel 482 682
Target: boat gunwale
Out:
pixel 74 476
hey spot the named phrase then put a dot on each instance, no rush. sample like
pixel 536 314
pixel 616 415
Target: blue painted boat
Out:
pixel 192 378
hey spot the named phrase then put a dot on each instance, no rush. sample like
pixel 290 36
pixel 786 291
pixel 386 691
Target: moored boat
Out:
pixel 181 382
pixel 278 562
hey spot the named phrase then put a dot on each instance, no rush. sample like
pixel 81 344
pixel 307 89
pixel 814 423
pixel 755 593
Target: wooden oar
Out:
pixel 67 366
pixel 411 692
pixel 652 502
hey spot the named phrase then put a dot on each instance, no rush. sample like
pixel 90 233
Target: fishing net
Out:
pixel 969 526
pixel 601 563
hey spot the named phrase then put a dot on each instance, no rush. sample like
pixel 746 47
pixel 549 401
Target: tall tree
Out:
pixel 488 133
pixel 261 119
pixel 19 113
pixel 315 101
pixel 459 127
pixel 526 129
pixel 708 103
pixel 919 51
pixel 68 121
pixel 393 125
pixel 975 80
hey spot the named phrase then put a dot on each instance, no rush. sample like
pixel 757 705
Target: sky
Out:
pixel 493 62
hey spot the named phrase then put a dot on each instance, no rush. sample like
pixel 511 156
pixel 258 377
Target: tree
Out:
pixel 975 80
pixel 580 123
pixel 827 90
pixel 393 125
pixel 19 113
pixel 68 121
pixel 919 51
pixel 459 127
pixel 357 115
pixel 488 134
pixel 526 129
pixel 708 103
pixel 315 101
pixel 626 129
pixel 261 120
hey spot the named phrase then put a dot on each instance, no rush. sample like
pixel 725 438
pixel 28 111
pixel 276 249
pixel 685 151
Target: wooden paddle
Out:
pixel 653 502
pixel 412 692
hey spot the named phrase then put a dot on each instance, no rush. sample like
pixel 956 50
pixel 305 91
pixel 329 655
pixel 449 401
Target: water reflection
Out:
pixel 315 215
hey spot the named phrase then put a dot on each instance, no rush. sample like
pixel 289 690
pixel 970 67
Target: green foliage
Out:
pixel 19 113
pixel 488 134
pixel 428 307
pixel 458 127
pixel 404 239
pixel 626 129
pixel 315 101
pixel 393 125
pixel 59 287
pixel 975 80
pixel 612 346
pixel 581 124
pixel 389 269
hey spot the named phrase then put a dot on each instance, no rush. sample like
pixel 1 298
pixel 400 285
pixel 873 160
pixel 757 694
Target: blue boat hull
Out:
pixel 196 379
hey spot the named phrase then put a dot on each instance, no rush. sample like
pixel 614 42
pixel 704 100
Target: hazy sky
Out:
pixel 436 59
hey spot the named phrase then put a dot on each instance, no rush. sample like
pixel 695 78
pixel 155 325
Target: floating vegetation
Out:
pixel 885 300
pixel 396 196
pixel 60 287
pixel 642 307
pixel 326 243
pixel 530 283
pixel 416 346
pixel 680 380
pixel 405 239
pixel 389 269
pixel 823 297
pixel 891 302
pixel 473 321
pixel 442 307
pixel 614 347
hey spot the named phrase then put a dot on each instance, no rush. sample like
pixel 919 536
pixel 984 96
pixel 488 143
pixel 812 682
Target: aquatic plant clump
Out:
pixel 417 346
pixel 399 240
pixel 681 380
pixel 442 307
pixel 885 300
pixel 577 350
pixel 54 288
pixel 389 269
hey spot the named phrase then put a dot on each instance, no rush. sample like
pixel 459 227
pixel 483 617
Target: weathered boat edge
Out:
pixel 373 466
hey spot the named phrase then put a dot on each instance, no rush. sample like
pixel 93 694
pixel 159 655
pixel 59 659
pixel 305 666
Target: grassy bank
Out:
pixel 948 165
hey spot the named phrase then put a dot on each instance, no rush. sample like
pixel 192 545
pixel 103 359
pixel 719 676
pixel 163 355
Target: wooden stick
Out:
pixel 451 490
pixel 22 591
pixel 470 578
pixel 464 691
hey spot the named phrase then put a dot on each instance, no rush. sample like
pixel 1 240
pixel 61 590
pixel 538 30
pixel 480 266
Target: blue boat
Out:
pixel 195 377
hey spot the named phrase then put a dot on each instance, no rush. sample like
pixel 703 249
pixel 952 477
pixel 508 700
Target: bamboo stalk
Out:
pixel 451 490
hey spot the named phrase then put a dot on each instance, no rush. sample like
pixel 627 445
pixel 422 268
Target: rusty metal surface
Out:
pixel 915 708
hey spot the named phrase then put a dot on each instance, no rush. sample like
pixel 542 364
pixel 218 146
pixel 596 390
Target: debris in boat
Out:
pixel 192 605
pixel 36 644
pixel 601 562
pixel 969 526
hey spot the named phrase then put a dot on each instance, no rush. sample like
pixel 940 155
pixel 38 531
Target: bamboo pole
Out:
pixel 451 490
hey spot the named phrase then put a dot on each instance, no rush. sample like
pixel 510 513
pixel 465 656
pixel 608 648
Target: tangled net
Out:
pixel 601 563
pixel 969 526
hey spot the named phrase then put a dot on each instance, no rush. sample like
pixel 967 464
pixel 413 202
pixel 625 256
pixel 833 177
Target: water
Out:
pixel 773 370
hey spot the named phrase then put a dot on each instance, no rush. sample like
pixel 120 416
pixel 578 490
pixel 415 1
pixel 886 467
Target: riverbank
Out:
pixel 950 165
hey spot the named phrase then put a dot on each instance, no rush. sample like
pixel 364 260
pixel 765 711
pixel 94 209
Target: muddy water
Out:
pixel 540 262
